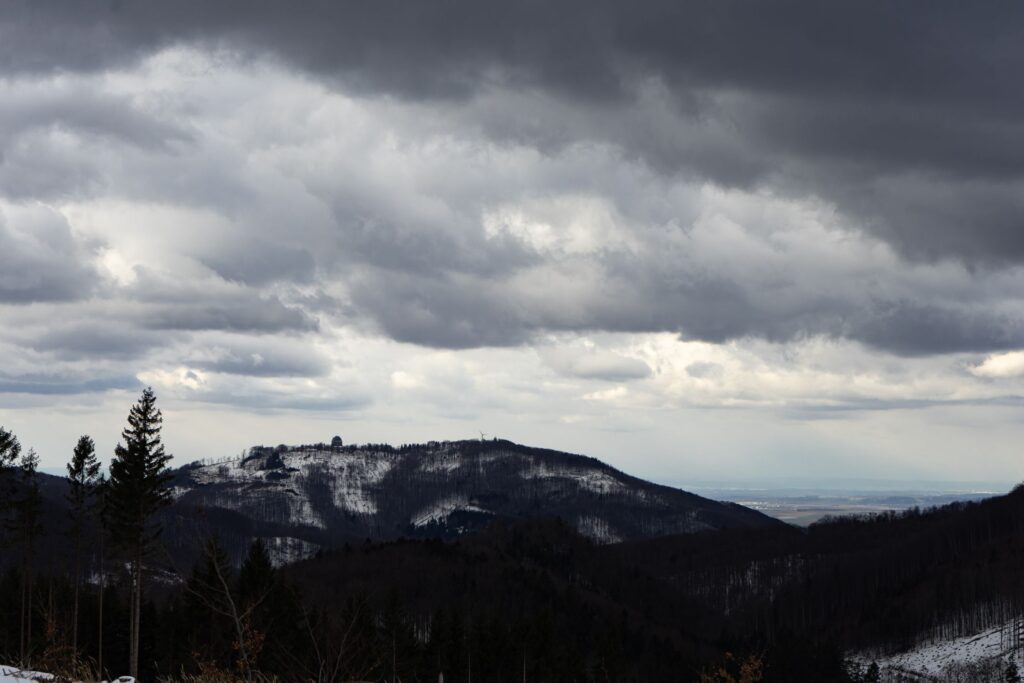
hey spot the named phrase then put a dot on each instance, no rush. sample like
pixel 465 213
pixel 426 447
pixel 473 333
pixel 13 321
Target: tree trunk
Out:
pixel 131 619
pixel 28 610
pixel 103 580
pixel 131 613
pixel 21 615
pixel 136 616
pixel 78 581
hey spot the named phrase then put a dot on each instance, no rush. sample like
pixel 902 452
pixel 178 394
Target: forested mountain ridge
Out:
pixel 884 581
pixel 302 498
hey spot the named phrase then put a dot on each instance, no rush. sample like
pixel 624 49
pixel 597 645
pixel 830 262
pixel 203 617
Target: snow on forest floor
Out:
pixel 936 659
pixel 10 674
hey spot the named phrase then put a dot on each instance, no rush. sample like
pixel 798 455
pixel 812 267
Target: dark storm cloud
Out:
pixel 949 54
pixel 41 260
pixel 829 97
pixel 97 339
pixel 270 402
pixel 656 293
pixel 54 131
pixel 913 328
pixel 59 384
pixel 286 359
pixel 171 304
pixel 445 312
pixel 60 106
pixel 251 313
pixel 255 262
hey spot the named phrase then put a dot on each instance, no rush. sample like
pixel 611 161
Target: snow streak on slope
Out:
pixel 354 477
pixel 596 529
pixel 592 480
pixel 285 549
pixel 445 458
pixel 442 509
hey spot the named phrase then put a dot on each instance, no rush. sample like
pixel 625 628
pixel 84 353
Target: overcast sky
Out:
pixel 699 240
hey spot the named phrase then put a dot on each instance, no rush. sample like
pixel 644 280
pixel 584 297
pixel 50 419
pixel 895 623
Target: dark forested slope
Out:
pixel 883 580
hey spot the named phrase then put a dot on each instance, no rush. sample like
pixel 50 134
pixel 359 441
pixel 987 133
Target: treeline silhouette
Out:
pixel 526 601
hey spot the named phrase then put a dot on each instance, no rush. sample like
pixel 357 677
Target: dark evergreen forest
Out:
pixel 535 599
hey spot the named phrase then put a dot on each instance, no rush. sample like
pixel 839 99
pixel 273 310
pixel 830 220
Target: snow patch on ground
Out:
pixel 939 659
pixel 8 674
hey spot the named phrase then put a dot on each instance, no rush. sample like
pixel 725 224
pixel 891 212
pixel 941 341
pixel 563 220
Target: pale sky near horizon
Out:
pixel 700 241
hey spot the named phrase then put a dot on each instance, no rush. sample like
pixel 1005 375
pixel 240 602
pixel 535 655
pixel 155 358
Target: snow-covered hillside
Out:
pixel 302 498
pixel 976 658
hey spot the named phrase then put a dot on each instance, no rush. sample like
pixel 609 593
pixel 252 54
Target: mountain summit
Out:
pixel 301 498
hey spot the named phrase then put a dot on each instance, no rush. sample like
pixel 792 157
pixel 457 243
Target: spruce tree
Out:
pixel 1012 674
pixel 138 489
pixel 257 575
pixel 10 451
pixel 82 478
pixel 272 612
pixel 209 607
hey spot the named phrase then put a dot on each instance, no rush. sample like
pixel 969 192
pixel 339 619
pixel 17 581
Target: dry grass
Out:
pixel 211 674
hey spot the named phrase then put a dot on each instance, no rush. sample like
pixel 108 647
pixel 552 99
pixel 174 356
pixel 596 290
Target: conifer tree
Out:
pixel 10 451
pixel 257 575
pixel 10 448
pixel 209 607
pixel 138 489
pixel 272 614
pixel 82 478
pixel 1012 674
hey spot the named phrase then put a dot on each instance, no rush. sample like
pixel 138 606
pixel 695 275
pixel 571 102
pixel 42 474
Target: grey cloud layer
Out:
pixel 479 174
pixel 849 100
